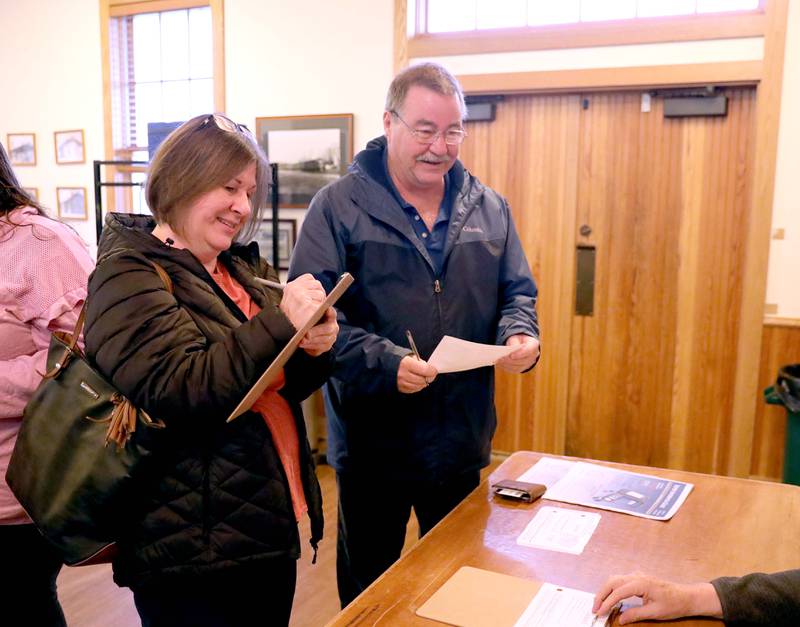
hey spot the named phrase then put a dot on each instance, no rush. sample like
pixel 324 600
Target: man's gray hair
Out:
pixel 429 75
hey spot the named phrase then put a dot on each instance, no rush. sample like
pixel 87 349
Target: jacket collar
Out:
pixel 379 200
pixel 126 230
pixel 131 231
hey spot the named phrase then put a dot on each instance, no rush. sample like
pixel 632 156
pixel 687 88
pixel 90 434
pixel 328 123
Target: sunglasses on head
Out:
pixel 224 124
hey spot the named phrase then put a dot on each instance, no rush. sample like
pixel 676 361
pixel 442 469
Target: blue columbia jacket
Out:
pixel 484 293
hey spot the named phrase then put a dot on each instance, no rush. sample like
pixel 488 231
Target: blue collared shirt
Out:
pixel 433 240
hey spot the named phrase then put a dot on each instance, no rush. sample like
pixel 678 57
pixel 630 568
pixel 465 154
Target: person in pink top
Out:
pixel 44 268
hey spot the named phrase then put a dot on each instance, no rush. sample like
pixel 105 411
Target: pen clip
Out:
pixel 412 345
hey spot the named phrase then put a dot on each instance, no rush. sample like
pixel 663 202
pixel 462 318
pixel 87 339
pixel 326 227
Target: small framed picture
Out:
pixel 71 203
pixel 69 146
pixel 287 234
pixel 33 192
pixel 21 148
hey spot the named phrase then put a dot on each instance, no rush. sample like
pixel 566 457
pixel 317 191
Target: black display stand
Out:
pixel 99 184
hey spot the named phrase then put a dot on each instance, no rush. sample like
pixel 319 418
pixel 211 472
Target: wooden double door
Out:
pixel 660 207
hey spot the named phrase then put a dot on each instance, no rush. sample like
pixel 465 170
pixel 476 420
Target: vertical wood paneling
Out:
pixel 650 377
pixel 653 370
pixel 528 154
pixel 622 356
pixel 723 219
pixel 780 346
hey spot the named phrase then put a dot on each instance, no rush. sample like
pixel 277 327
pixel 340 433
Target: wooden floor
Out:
pixel 91 599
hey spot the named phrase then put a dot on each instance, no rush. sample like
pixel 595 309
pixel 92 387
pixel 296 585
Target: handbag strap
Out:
pixel 76 333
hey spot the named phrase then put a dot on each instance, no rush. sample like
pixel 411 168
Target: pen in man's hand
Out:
pixel 268 283
pixel 412 345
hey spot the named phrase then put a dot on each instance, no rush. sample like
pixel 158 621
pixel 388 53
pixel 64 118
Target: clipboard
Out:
pixel 280 361
pixel 474 597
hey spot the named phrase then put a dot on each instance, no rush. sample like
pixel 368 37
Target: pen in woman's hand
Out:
pixel 412 345
pixel 268 283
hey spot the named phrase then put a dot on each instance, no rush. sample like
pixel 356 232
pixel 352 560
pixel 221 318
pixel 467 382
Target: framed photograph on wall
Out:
pixel 287 235
pixel 310 150
pixel 71 203
pixel 21 148
pixel 69 146
pixel 33 192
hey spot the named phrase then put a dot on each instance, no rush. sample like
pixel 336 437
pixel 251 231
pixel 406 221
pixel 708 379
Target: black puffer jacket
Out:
pixel 220 496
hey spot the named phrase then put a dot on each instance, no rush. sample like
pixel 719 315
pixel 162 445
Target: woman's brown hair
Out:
pixel 200 155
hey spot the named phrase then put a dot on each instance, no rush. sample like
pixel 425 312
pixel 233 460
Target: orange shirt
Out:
pixel 271 405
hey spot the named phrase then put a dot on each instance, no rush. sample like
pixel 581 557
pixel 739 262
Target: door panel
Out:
pixel 622 356
pixel 648 378
pixel 528 154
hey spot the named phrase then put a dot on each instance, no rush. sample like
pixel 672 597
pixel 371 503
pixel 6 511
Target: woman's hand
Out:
pixel 301 298
pixel 320 337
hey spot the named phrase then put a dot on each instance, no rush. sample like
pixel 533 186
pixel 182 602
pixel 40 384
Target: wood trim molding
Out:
pixel 400 35
pixel 777 321
pixel 118 8
pixel 218 33
pixel 106 64
pixel 613 33
pixel 757 247
pixel 599 79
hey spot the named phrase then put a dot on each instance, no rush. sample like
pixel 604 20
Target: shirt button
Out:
pixel 416 218
pixel 425 235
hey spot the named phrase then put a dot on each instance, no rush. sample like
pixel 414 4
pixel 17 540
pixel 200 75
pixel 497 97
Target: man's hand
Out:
pixel 414 374
pixel 522 358
pixel 322 335
pixel 661 600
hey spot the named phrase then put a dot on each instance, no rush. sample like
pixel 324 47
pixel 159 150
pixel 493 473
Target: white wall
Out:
pixel 51 81
pixel 306 58
pixel 282 58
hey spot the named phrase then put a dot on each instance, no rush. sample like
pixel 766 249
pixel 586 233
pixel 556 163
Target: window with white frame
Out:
pixel 444 16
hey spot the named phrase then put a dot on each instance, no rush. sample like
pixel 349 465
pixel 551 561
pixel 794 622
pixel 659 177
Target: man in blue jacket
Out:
pixel 435 252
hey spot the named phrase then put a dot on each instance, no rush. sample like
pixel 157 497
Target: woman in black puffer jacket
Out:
pixel 214 538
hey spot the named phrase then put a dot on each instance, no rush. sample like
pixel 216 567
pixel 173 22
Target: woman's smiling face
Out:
pixel 214 219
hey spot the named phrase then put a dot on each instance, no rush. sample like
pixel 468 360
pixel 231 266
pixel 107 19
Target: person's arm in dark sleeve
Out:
pixel 305 374
pixel 365 357
pixel 517 290
pixel 760 599
pixel 153 352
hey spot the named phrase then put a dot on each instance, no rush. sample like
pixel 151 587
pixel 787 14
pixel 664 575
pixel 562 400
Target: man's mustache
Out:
pixel 434 159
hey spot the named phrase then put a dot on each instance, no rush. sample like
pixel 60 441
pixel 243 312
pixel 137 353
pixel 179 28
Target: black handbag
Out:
pixel 79 453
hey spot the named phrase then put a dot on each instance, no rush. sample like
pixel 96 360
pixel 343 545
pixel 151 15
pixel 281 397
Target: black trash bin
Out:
pixel 786 392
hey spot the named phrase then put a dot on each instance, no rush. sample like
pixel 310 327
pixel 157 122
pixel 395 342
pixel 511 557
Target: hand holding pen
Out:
pixel 414 373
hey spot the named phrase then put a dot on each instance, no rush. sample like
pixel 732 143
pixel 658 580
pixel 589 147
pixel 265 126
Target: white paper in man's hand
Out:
pixel 455 355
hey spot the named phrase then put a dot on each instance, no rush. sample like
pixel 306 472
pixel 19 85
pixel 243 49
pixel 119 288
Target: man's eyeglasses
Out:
pixel 224 124
pixel 452 136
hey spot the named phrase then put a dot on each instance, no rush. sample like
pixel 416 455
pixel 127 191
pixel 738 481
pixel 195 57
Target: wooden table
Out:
pixel 727 526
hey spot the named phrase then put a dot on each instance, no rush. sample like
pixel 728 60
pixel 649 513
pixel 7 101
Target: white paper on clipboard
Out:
pixel 280 361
